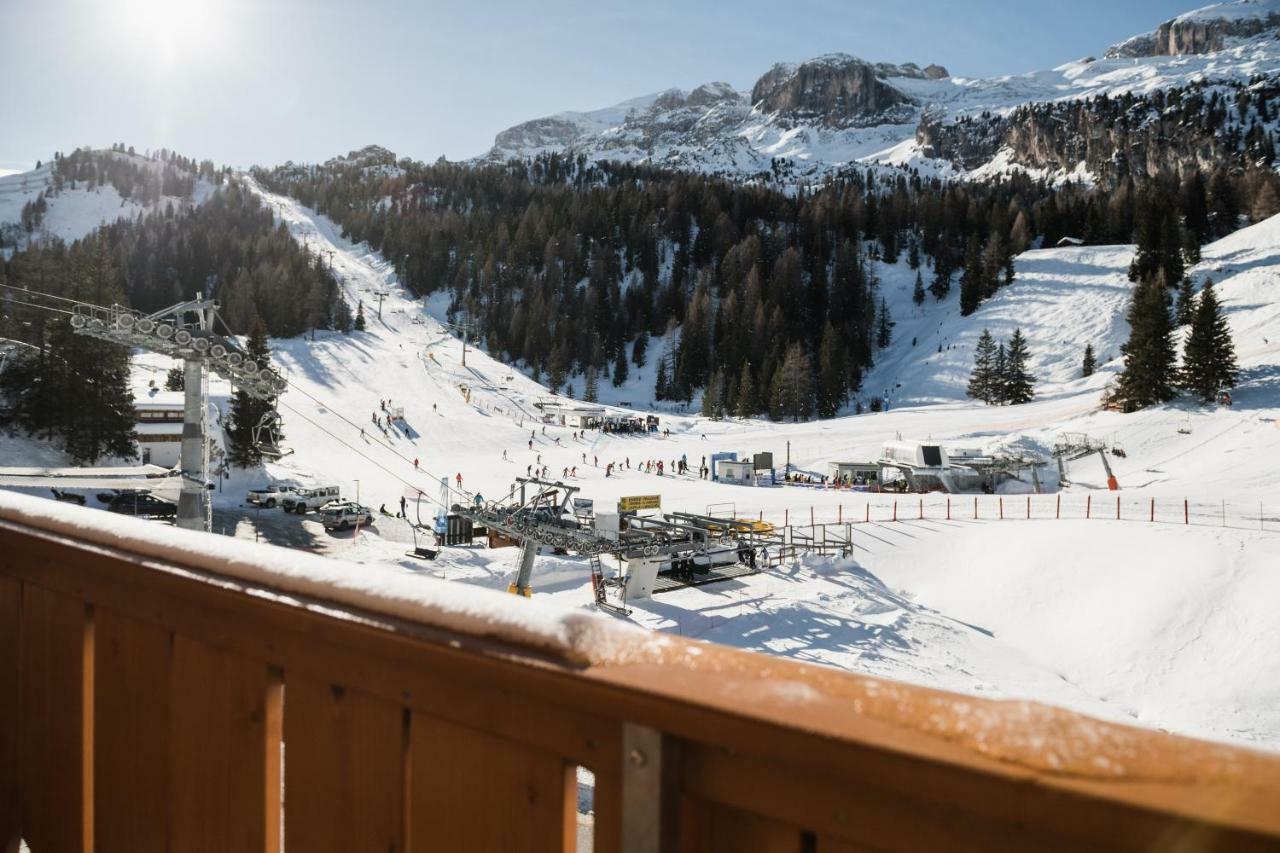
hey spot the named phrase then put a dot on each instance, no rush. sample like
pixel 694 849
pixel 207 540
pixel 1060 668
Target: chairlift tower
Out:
pixel 185 331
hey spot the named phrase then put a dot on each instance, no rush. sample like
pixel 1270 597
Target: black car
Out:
pixel 67 497
pixel 149 506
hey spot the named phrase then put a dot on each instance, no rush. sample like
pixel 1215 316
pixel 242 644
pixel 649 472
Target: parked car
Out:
pixel 268 496
pixel 111 494
pixel 146 505
pixel 303 501
pixel 67 497
pixel 339 515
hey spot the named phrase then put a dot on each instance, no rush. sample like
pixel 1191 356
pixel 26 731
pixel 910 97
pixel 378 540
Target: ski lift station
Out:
pixel 579 416
pixel 917 466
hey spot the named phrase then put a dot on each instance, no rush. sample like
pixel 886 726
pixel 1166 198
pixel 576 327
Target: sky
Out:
pixel 246 82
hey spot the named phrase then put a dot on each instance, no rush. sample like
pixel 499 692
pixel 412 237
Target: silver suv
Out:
pixel 340 515
pixel 302 501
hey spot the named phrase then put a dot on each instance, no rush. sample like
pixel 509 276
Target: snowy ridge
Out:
pixel 74 213
pixel 730 135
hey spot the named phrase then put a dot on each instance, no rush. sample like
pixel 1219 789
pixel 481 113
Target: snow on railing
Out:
pixel 166 689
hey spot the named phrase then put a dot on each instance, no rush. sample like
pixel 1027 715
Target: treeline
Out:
pixel 572 267
pixel 70 388
pixel 141 178
pixel 75 389
pixel 231 248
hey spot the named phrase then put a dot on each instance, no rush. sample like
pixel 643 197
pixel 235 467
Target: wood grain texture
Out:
pixel 222 751
pixel 57 730
pixel 707 827
pixel 131 758
pixel 344 753
pixel 476 792
pixel 10 707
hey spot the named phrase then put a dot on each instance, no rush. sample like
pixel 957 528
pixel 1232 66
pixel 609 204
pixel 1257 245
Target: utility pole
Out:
pixel 381 294
pixel 788 457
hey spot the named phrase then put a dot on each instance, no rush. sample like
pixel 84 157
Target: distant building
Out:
pixel 159 426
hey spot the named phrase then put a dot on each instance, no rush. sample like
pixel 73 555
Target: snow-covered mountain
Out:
pixel 64 202
pixel 801 122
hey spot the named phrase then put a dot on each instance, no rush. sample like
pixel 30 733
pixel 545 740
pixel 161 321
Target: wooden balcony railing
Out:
pixel 157 698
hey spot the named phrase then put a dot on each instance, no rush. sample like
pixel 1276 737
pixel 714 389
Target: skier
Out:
pixel 504 456
pixel 404 507
pixel 415 463
pixel 459 479
pixel 531 444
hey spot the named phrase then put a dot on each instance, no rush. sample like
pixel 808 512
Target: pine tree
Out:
pixel 1209 358
pixel 660 384
pixel 713 396
pixel 359 323
pixel 746 405
pixel 832 373
pixel 1019 384
pixel 917 294
pixel 591 389
pixel 1149 354
pixel 1090 363
pixel 639 351
pixel 1000 376
pixel 1186 310
pixel 247 411
pixel 972 284
pixel 173 379
pixel 792 391
pixel 982 379
pixel 620 367
pixel 884 326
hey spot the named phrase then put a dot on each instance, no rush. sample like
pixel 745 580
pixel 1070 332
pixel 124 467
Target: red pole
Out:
pixel 895 510
pixel 1088 502
pixel 1057 513
pixel 1117 507
pixel 1186 512
pixel 1153 509
pixel 1002 507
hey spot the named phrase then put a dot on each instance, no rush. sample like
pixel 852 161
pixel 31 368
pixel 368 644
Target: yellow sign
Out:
pixel 636 503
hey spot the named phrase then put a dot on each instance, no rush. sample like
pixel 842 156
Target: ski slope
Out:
pixel 1160 625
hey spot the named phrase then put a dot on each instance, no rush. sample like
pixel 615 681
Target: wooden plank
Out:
pixel 707 827
pixel 225 752
pixel 57 722
pixel 484 794
pixel 344 755
pixel 1229 794
pixel 10 718
pixel 131 750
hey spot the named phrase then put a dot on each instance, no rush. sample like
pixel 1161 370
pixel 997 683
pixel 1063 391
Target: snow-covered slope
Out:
pixel 721 131
pixel 73 213
pixel 1167 627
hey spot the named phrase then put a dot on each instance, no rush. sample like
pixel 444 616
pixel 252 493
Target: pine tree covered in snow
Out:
pixel 1209 357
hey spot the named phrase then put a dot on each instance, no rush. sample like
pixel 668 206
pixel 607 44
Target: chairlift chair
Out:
pixel 267 435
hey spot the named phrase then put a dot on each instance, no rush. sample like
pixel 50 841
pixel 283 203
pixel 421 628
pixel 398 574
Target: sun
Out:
pixel 168 29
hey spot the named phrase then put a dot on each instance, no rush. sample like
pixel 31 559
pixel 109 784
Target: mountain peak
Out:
pixel 1204 30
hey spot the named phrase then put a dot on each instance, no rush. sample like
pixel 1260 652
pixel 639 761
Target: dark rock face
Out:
pixel 1115 138
pixel 1178 38
pixel 539 133
pixel 832 91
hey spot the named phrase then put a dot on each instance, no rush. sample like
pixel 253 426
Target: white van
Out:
pixel 304 500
